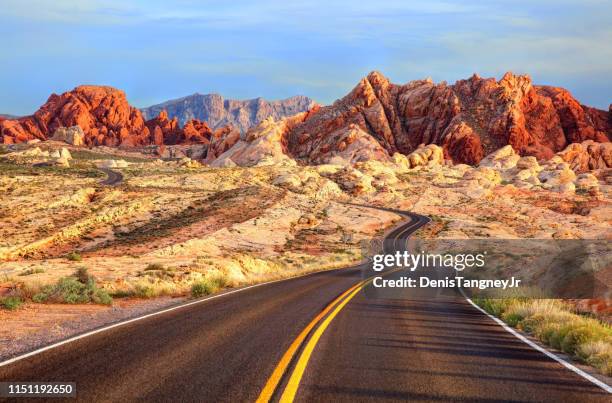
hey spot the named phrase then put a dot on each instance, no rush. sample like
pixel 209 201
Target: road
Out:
pixel 228 348
pixel 113 177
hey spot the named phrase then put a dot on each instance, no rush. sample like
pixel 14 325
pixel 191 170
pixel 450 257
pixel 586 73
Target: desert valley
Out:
pixel 131 211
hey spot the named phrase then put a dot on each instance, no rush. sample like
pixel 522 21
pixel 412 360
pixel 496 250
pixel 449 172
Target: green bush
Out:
pixel 144 291
pixel 208 286
pixel 11 303
pixel 77 289
pixel 202 288
pixel 513 319
pixel 74 256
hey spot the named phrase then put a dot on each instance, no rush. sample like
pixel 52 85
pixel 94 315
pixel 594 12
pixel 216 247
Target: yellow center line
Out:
pixel 294 381
pixel 273 381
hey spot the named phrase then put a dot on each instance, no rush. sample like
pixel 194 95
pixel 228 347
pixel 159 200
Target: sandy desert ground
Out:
pixel 171 224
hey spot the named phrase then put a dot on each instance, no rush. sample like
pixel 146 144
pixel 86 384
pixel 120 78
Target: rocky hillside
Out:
pixel 469 119
pixel 106 118
pixel 218 112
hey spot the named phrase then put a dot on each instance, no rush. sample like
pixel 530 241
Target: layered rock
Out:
pixel 469 120
pixel 218 112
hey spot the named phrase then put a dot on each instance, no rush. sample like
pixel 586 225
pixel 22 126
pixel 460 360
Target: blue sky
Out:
pixel 155 50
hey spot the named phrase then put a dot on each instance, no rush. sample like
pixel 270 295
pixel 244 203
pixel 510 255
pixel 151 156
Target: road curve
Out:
pixel 226 348
pixel 113 177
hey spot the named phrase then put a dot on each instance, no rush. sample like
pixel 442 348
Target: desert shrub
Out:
pixel 208 286
pixel 74 256
pixel 122 294
pixel 202 288
pixel 79 288
pixel 554 323
pixel 494 306
pixel 154 266
pixel 31 271
pixel 145 289
pixel 598 354
pixel 11 303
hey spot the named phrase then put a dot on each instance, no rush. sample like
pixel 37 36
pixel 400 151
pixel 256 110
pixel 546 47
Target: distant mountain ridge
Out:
pixel 218 112
pixel 7 116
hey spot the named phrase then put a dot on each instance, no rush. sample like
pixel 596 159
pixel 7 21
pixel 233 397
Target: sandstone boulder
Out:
pixel 528 162
pixel 557 176
pixel 426 155
pixel 64 153
pixel 62 162
pixel 586 182
pixel 587 155
pixel 503 158
pixel 72 135
pixel 484 176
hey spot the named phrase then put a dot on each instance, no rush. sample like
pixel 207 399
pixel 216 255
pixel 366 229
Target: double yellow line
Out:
pixel 296 376
pixel 293 384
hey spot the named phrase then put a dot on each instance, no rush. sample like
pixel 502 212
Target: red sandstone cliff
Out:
pixel 469 119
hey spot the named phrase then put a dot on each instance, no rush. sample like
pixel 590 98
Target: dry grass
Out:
pixel 554 323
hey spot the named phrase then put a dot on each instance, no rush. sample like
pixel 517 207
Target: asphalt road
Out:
pixel 113 177
pixel 427 348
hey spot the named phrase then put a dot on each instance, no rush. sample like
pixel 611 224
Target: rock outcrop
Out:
pixel 218 112
pixel 587 155
pixel 72 135
pixel 168 131
pixel 103 114
pixel 469 120
pixel 97 115
pixel 376 120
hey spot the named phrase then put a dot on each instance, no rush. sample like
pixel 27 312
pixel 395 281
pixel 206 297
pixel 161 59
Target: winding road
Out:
pixel 327 336
pixel 113 177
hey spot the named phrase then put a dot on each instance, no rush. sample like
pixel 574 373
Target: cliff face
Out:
pixel 469 119
pixel 218 112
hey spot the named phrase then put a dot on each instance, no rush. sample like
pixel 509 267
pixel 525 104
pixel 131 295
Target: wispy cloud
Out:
pixel 276 48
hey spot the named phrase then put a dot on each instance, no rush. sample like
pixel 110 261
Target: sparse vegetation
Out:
pixel 74 257
pixel 79 288
pixel 154 266
pixel 554 323
pixel 11 303
pixel 208 286
pixel 29 272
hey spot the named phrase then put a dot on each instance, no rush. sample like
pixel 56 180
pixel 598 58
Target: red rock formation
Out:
pixel 221 141
pixel 106 118
pixel 196 132
pixel 102 112
pixel 469 119
pixel 168 131
pixel 587 155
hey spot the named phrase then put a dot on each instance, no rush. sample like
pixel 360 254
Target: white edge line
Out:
pixel 519 336
pixel 174 308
